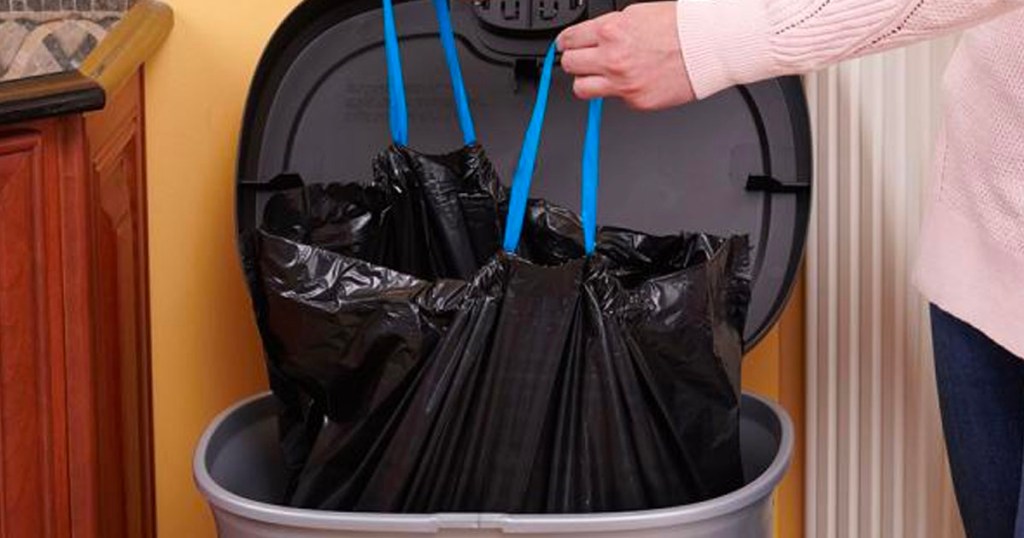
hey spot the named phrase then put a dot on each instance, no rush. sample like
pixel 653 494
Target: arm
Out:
pixel 662 54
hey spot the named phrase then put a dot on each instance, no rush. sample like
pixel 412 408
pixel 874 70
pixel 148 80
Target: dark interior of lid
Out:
pixel 738 162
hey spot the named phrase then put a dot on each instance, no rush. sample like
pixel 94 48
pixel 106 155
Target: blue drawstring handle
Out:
pixel 528 159
pixel 591 168
pixel 451 57
pixel 398 114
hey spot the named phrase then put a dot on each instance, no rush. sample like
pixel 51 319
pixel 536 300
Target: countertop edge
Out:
pixel 49 95
pixel 125 49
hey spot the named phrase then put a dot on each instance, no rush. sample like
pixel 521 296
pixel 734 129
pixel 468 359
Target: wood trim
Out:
pixel 129 44
pixel 107 68
pixel 121 339
pixel 51 95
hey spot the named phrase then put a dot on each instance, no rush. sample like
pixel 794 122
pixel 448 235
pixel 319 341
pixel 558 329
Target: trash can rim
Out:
pixel 736 501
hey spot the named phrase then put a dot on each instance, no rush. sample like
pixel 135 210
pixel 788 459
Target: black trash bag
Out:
pixel 556 380
pixel 430 217
pixel 572 385
pixel 423 369
pixel 424 216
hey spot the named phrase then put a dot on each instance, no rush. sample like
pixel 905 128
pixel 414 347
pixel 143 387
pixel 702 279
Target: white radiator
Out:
pixel 876 464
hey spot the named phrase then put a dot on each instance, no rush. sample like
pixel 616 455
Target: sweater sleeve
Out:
pixel 730 42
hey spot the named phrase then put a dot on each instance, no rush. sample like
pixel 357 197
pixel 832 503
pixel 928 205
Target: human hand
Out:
pixel 633 54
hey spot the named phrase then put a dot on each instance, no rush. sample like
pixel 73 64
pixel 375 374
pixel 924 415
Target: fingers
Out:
pixel 582 62
pixel 579 36
pixel 588 54
pixel 592 87
pixel 631 54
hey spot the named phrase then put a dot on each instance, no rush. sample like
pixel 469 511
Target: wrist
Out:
pixel 724 43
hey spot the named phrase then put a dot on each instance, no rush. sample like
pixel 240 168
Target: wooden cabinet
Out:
pixel 75 454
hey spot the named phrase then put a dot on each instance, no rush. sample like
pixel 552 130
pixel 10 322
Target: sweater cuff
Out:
pixel 724 43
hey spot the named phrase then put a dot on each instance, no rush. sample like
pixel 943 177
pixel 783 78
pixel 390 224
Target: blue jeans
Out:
pixel 981 395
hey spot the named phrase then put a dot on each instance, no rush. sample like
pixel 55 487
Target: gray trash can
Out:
pixel 238 467
pixel 738 163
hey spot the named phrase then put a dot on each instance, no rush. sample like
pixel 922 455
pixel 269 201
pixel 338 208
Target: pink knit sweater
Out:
pixel 971 260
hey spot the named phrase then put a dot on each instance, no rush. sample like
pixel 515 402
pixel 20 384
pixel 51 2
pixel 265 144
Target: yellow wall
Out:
pixel 775 368
pixel 205 353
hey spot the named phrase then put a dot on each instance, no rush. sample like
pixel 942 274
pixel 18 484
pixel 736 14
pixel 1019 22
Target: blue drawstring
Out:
pixel 398 115
pixel 523 176
pixel 455 71
pixel 528 158
pixel 591 168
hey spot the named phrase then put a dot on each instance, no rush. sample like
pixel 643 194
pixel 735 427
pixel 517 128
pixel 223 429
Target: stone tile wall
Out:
pixel 41 37
pixel 64 5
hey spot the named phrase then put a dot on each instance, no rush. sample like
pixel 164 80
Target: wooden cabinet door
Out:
pixel 34 495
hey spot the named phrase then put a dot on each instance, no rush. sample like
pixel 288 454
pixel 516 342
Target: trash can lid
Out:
pixel 736 163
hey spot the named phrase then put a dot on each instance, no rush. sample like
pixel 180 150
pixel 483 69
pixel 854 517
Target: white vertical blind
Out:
pixel 876 463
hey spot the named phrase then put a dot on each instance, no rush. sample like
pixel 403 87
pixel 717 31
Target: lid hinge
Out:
pixel 762 183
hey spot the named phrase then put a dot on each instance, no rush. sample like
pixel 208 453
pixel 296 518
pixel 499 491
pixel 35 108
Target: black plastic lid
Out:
pixel 739 162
